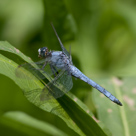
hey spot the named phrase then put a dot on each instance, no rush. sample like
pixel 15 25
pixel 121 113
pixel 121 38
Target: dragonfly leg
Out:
pixel 54 70
pixel 44 65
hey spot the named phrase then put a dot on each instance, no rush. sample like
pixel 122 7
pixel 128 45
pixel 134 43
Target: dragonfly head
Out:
pixel 43 52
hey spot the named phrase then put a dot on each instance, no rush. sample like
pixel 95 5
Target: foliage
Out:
pixel 102 37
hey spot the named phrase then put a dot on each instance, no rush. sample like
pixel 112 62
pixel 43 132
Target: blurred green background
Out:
pixel 102 36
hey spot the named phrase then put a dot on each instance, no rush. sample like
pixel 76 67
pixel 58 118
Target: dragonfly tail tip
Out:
pixel 119 103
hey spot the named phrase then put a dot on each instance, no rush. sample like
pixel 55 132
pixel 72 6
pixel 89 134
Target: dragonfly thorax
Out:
pixel 43 52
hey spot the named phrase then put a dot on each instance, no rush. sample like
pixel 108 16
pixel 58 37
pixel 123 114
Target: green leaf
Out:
pixel 66 29
pixel 20 23
pixel 73 112
pixel 22 122
pixel 119 120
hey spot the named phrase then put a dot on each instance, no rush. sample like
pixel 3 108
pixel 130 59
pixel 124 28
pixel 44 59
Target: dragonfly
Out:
pixel 59 69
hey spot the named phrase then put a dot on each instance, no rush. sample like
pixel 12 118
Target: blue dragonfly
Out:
pixel 59 69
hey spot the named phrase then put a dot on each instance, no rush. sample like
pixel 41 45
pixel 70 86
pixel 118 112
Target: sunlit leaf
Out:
pixel 24 122
pixel 76 115
pixel 119 120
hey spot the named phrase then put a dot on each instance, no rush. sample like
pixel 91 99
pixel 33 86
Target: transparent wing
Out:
pixel 61 84
pixel 36 68
pixel 62 47
pixel 57 85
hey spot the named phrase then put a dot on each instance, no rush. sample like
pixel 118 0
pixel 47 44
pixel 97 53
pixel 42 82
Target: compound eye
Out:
pixel 43 52
pixel 39 51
